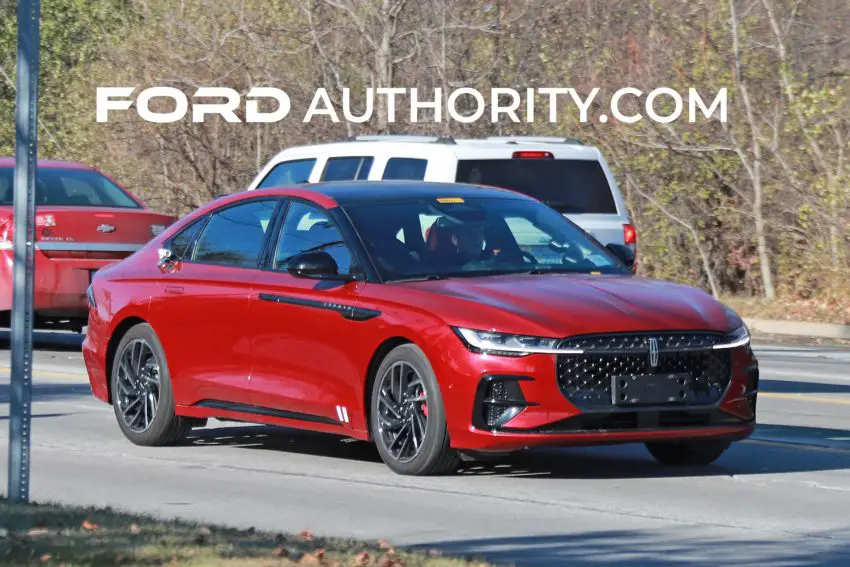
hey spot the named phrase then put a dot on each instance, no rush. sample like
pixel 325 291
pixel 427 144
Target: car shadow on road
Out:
pixel 270 438
pixel 611 462
pixel 632 548
pixel 49 391
pixel 792 387
pixel 50 340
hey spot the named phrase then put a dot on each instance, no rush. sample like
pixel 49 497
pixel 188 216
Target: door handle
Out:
pixel 174 289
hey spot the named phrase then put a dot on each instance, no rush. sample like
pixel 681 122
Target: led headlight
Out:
pixel 508 344
pixel 740 334
pixel 737 338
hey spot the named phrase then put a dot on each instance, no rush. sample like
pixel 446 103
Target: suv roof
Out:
pixel 461 148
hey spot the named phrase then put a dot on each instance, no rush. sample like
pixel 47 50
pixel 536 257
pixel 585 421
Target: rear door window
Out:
pixel 346 168
pixel 568 186
pixel 289 173
pixel 405 168
pixel 234 236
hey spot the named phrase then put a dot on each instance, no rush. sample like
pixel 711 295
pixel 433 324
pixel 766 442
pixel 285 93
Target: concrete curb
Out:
pixel 799 328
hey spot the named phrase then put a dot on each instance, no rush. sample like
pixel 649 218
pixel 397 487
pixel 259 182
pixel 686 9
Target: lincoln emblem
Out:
pixel 653 352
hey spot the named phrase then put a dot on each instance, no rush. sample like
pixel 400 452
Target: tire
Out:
pixel 688 453
pixel 434 455
pixel 165 427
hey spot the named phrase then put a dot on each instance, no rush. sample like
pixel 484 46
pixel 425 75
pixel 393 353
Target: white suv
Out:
pixel 567 175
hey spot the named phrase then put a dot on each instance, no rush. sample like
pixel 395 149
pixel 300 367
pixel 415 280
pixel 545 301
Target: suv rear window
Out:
pixel 68 187
pixel 568 186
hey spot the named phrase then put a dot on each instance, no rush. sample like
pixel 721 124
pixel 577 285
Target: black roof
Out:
pixel 346 192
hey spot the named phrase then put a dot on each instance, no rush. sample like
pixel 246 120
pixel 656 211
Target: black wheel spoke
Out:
pixel 402 419
pixel 138 385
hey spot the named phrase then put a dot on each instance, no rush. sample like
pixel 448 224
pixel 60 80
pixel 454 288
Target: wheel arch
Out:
pixel 114 340
pixel 378 356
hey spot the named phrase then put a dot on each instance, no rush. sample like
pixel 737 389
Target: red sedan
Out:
pixel 84 221
pixel 431 319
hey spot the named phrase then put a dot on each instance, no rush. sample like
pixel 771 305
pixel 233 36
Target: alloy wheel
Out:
pixel 138 385
pixel 402 412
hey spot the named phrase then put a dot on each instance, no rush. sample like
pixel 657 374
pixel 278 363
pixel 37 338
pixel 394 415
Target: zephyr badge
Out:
pixel 106 228
pixel 653 352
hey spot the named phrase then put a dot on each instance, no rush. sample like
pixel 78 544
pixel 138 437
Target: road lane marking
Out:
pixel 50 373
pixel 804 398
pixel 767 372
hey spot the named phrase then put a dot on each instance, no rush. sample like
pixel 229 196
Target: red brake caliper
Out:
pixel 424 405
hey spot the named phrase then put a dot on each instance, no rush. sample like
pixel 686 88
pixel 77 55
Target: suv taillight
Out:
pixel 629 234
pixel 532 154
pixel 7 225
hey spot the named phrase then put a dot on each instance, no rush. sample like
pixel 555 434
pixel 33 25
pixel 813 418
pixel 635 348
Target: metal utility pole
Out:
pixel 26 156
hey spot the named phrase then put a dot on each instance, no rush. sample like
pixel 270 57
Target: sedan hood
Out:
pixel 568 304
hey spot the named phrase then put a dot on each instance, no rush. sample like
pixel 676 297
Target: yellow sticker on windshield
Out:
pixel 595 273
pixel 449 200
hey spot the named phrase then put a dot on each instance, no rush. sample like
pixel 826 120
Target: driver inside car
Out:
pixel 458 244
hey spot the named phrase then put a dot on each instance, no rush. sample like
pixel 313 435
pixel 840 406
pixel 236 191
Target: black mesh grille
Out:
pixel 585 379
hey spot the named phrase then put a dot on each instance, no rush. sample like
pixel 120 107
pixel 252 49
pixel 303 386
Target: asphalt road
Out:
pixel 779 499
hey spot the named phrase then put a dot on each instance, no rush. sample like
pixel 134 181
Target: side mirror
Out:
pixel 166 256
pixel 316 265
pixel 625 254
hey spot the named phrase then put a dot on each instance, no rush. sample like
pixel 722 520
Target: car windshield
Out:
pixel 68 187
pixel 451 237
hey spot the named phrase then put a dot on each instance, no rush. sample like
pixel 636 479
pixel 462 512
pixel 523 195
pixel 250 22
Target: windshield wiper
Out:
pixel 422 278
pixel 553 270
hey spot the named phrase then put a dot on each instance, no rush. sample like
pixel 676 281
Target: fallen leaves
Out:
pixel 202 535
pixel 89 526
pixel 386 546
pixel 310 559
pixel 390 561
pixel 280 552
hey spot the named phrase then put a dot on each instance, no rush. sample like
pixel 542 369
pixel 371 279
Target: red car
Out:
pixel 84 221
pixel 327 307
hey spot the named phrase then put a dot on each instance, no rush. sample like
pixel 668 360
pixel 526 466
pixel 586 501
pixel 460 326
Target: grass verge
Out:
pixel 50 534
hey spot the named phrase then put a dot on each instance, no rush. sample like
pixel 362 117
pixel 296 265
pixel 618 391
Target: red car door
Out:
pixel 201 309
pixel 304 358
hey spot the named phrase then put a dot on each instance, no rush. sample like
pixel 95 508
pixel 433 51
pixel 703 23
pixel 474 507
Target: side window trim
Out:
pixel 190 249
pixel 273 236
pixel 269 265
pixel 190 259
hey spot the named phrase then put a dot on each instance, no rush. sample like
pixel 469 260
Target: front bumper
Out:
pixel 498 403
